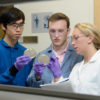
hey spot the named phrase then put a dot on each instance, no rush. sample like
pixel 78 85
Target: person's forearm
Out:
pixel 7 76
pixel 57 79
pixel 13 71
pixel 37 78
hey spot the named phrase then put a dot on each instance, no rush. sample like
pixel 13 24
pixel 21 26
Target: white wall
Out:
pixel 77 10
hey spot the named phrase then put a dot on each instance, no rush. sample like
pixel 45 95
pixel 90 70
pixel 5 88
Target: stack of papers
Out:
pixel 64 86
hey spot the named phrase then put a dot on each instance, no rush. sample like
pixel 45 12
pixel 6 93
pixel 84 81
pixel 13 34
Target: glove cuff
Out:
pixel 57 74
pixel 38 74
pixel 18 67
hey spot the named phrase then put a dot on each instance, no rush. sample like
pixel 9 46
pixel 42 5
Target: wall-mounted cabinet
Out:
pixel 97 13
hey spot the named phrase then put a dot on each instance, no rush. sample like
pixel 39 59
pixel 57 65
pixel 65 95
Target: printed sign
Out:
pixel 40 22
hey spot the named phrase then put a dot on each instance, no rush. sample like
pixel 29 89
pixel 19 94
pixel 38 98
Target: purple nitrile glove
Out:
pixel 39 68
pixel 54 67
pixel 22 61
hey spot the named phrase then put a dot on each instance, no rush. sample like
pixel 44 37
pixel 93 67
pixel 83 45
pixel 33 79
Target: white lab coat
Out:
pixel 85 78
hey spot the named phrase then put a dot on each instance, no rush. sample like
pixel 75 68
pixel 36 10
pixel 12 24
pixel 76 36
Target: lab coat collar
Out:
pixel 95 57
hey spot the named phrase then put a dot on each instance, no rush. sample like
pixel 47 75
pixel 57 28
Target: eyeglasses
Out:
pixel 16 26
pixel 60 32
pixel 75 38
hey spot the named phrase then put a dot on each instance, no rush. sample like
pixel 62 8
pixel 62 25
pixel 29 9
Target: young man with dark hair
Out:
pixel 14 67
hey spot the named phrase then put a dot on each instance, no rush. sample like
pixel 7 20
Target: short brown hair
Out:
pixel 59 16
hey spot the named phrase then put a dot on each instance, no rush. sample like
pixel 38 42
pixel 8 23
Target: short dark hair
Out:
pixel 11 15
pixel 59 16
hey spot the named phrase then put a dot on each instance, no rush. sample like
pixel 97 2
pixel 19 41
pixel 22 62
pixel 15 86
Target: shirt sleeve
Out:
pixel 6 77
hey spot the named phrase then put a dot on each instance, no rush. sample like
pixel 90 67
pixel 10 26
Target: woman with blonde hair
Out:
pixel 85 75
